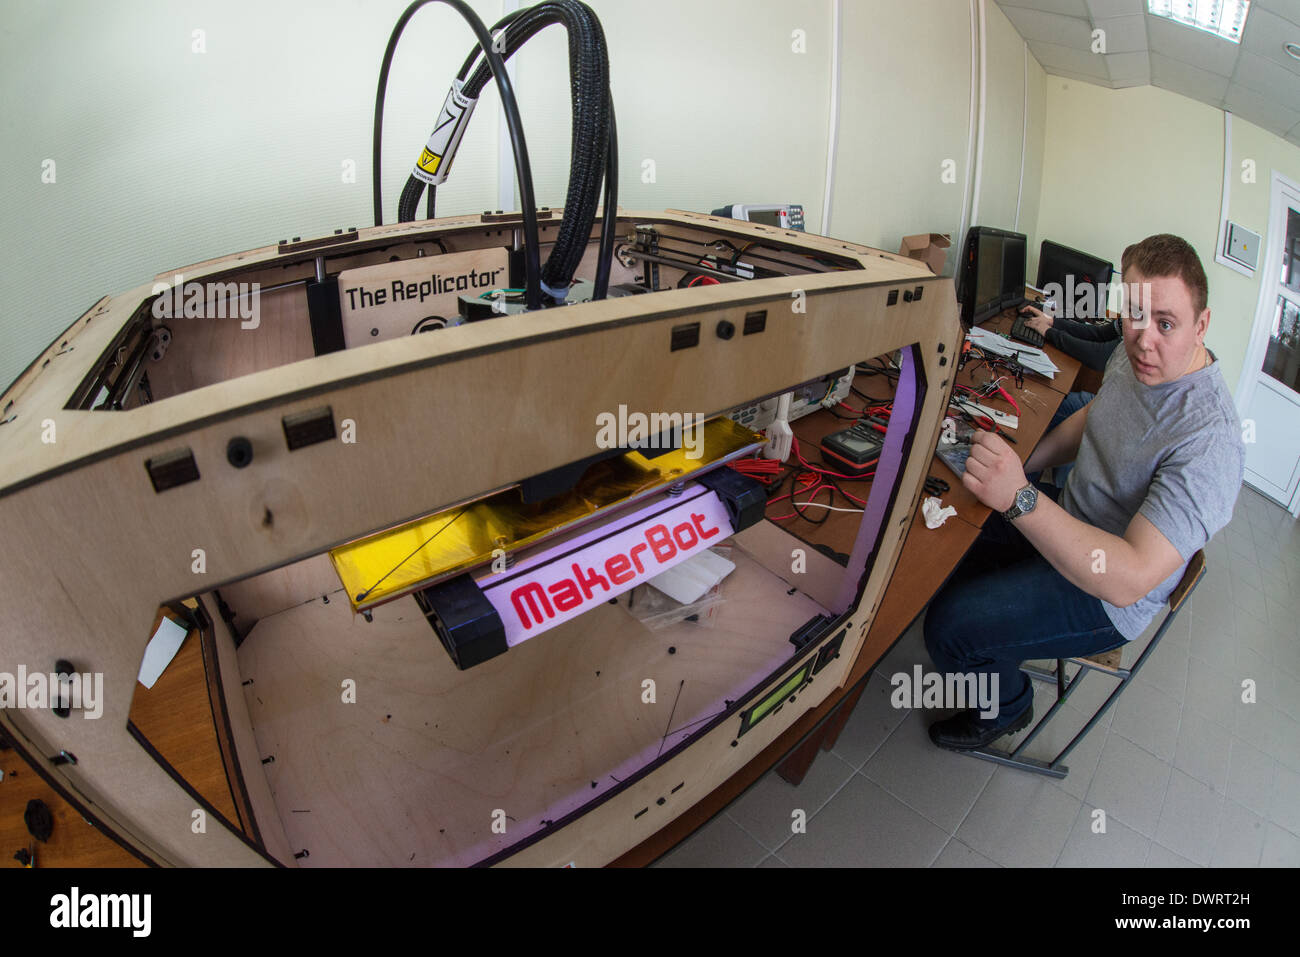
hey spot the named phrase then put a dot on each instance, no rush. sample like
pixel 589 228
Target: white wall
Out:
pixel 165 156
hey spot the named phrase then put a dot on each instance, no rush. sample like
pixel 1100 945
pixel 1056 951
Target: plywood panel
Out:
pixel 175 716
pixel 100 549
pixel 413 771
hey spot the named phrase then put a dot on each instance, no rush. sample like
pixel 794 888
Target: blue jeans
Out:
pixel 1071 404
pixel 1006 604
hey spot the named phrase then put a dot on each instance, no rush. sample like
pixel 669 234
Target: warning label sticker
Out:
pixel 429 161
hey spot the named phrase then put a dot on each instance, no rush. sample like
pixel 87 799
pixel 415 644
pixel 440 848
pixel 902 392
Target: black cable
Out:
pixel 523 169
pixel 589 88
pixel 609 222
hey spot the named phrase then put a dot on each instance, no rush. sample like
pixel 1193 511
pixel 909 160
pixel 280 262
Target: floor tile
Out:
pixel 1248 603
pixel 1214 635
pixel 720 843
pixel 773 861
pixel 1250 777
pixel 1189 820
pixel 1254 633
pixel 1148 717
pixel 1286 693
pixel 1020 820
pixel 1129 784
pixel 1284 808
pixel 766 810
pixel 1162 857
pixel 1261 724
pixel 1241 837
pixel 957 854
pixel 1281 848
pixel 865 826
pixel 1204 751
pixel 1117 846
pixel 872 721
pixel 942 785
pixel 1212 692
pixel 1166 669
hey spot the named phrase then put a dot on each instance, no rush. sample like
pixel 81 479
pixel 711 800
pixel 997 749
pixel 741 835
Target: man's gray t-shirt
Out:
pixel 1172 452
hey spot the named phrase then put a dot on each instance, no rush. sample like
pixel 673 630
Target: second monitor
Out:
pixel 992 276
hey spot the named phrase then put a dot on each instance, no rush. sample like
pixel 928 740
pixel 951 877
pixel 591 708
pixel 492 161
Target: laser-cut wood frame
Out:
pixel 92 549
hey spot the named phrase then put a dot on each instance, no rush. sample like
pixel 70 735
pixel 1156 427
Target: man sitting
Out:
pixel 1158 464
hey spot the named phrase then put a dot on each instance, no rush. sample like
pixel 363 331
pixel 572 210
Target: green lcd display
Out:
pixel 761 710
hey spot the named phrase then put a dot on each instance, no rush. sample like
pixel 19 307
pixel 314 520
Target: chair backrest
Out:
pixel 1195 569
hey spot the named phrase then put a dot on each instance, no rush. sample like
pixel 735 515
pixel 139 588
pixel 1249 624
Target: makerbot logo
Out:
pixel 533 603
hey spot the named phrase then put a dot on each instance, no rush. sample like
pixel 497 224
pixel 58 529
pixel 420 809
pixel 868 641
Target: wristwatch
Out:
pixel 1026 499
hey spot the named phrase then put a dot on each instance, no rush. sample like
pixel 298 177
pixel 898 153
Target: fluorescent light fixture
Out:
pixel 1223 18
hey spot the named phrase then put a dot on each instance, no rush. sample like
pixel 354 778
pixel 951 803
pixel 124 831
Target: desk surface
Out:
pixel 929 556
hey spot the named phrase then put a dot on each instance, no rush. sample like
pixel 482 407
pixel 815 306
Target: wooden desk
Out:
pixel 929 556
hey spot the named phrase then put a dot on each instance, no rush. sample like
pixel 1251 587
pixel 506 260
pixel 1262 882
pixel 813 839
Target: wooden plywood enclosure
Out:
pixel 436 419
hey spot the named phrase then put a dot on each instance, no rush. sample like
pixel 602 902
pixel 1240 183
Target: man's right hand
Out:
pixel 1040 321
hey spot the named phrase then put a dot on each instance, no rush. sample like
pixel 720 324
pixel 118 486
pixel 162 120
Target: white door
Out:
pixel 1269 390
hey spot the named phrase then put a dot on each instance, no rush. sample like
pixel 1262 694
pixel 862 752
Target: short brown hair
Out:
pixel 1169 255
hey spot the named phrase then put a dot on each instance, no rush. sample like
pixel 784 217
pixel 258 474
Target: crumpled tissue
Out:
pixel 936 513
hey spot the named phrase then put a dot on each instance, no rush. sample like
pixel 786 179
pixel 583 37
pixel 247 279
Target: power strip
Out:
pixel 805 400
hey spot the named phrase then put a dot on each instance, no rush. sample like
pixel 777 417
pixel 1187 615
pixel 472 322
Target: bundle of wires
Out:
pixel 807 481
pixel 594 144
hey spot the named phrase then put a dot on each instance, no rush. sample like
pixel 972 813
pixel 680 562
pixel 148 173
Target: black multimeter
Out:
pixel 854 451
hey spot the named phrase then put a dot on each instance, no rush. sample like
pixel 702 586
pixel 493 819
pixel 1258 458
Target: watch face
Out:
pixel 1026 499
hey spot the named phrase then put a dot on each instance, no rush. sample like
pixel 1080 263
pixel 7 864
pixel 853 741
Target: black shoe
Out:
pixel 965 732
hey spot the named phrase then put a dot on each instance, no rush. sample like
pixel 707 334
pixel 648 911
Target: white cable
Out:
pixel 505 150
pixel 833 137
pixel 1024 136
pixel 970 122
pixel 856 511
pixel 979 132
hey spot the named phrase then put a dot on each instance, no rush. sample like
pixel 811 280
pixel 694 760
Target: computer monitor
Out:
pixel 1071 270
pixel 992 273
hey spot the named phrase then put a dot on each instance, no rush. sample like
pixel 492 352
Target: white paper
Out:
pixel 1035 360
pixel 164 644
pixel 688 581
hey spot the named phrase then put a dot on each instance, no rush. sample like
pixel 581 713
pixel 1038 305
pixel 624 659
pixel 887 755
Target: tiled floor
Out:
pixel 1182 771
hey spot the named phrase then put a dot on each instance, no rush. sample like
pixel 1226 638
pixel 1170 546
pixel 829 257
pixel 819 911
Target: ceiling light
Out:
pixel 1223 18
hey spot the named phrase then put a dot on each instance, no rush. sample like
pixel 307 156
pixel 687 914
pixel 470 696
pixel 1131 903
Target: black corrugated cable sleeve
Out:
pixel 510 109
pixel 605 259
pixel 589 87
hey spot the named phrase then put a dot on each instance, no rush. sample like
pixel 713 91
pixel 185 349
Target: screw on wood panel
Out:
pixel 661 801
pixel 301 854
pixel 325 599
pixel 63 757
pixel 269 759
pixel 368 615
pixel 247 683
pixel 267 518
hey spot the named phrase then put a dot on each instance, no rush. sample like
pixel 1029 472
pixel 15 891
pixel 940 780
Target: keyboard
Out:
pixel 1021 330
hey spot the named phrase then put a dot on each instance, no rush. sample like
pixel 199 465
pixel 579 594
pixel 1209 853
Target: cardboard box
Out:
pixel 929 248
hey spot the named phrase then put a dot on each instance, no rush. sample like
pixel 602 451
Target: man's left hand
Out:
pixel 993 472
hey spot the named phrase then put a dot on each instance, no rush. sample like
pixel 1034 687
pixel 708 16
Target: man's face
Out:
pixel 1162 336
